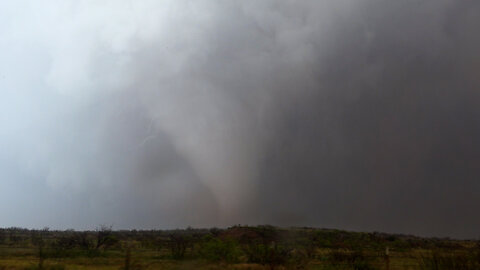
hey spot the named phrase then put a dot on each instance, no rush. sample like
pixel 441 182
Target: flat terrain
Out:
pixel 239 247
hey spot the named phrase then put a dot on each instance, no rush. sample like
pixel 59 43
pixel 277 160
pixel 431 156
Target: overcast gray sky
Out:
pixel 352 114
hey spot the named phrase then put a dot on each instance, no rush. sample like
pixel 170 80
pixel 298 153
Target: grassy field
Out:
pixel 239 247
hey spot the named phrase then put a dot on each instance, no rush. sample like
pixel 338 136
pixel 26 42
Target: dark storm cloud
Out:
pixel 351 114
pixel 396 149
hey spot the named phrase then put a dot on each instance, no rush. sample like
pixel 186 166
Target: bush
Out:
pixel 217 250
pixel 272 254
pixel 105 238
pixel 178 244
pixel 356 260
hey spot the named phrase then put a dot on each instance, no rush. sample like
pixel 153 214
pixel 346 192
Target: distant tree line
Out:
pixel 271 247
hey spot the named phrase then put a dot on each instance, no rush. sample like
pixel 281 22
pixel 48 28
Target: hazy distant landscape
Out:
pixel 238 247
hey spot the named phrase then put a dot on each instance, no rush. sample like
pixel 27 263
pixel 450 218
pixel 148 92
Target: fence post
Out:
pixel 387 259
pixel 128 256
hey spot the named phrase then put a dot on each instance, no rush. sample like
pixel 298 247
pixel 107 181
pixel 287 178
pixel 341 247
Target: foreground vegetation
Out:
pixel 239 247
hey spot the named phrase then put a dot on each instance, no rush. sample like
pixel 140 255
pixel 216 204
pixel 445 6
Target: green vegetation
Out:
pixel 238 247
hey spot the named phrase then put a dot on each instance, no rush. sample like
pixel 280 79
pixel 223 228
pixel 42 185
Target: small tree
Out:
pixel 3 236
pixel 105 238
pixel 38 240
pixel 178 245
pixel 82 240
pixel 67 241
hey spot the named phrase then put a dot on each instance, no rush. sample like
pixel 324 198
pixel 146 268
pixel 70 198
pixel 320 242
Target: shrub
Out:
pixel 217 250
pixel 105 238
pixel 356 260
pixel 272 254
pixel 178 244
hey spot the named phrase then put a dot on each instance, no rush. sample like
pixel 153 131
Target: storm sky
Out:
pixel 352 114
